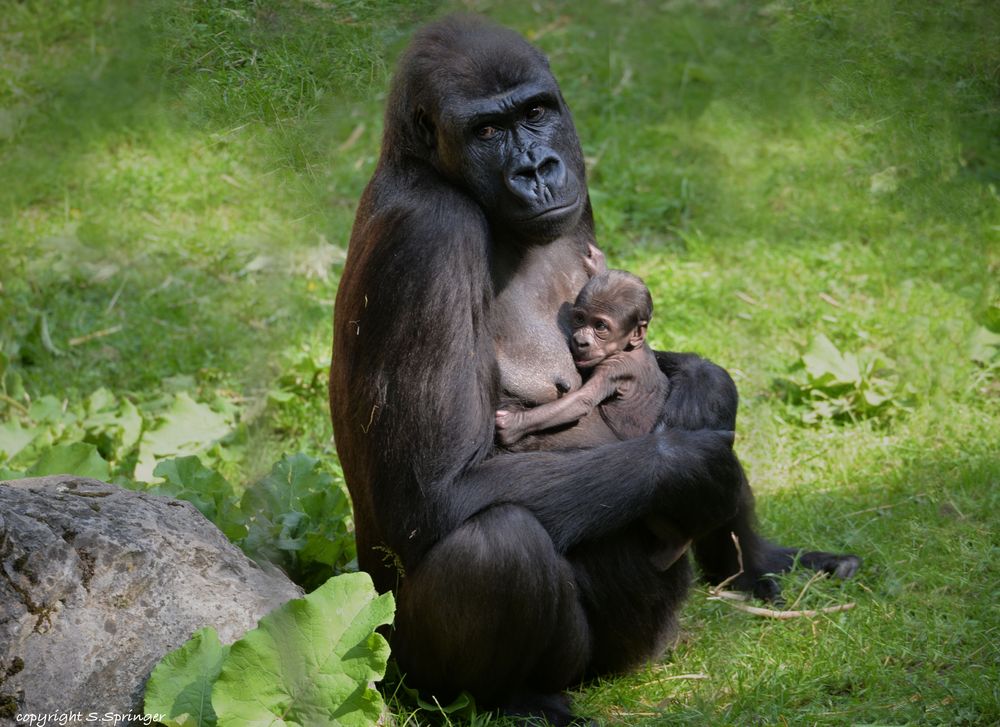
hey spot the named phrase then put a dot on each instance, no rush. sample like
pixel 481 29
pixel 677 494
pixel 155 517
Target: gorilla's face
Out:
pixel 517 154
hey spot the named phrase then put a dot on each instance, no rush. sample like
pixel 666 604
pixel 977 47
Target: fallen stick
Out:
pixel 684 676
pixel 739 561
pixel 727 596
pixel 96 334
pixel 772 613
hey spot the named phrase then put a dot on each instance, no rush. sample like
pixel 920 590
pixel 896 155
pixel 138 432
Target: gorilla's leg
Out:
pixel 631 604
pixel 492 609
pixel 719 559
pixel 703 396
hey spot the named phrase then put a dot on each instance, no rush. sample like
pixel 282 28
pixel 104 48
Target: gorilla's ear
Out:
pixel 425 128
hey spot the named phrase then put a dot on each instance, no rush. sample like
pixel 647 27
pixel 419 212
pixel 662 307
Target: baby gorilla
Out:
pixel 623 380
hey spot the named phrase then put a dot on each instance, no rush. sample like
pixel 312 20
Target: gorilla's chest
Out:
pixel 531 323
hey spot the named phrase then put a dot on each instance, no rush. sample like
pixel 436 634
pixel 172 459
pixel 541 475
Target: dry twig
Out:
pixel 715 590
pixel 96 334
pixel 684 676
pixel 718 593
pixel 783 615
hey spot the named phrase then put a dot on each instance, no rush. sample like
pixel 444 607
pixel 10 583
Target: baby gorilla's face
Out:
pixel 597 333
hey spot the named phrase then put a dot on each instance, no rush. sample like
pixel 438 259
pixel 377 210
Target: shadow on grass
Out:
pixel 917 648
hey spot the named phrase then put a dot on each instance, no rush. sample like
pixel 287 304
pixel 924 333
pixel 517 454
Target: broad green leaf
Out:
pixel 180 686
pixel 827 366
pixel 298 517
pixel 464 705
pixel 310 662
pixel 984 346
pixel 186 427
pixel 9 474
pixel 78 458
pixel 186 478
pixel 842 386
pixel 130 422
pixel 46 409
pixel 280 396
pixel 105 414
pixel 290 486
pixel 189 472
pixel 14 438
pixel 101 400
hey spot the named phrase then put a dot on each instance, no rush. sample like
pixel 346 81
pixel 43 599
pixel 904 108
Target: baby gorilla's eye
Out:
pixel 600 326
pixel 535 113
pixel 486 132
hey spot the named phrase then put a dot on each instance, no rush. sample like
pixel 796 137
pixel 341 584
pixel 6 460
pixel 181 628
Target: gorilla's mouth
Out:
pixel 553 211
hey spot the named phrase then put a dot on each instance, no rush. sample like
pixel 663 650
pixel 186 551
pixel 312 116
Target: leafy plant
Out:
pixel 310 661
pixel 984 347
pixel 303 374
pixel 114 425
pixel 185 427
pixel 80 458
pixel 829 384
pixel 462 707
pixel 186 478
pixel 299 518
pixel 110 425
pixel 128 439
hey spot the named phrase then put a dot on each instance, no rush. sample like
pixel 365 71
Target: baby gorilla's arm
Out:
pixel 513 424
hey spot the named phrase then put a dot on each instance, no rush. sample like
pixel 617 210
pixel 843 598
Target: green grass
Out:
pixel 180 180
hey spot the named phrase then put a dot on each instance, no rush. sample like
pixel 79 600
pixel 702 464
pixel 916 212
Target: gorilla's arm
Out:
pixel 414 391
pixel 703 395
pixel 578 495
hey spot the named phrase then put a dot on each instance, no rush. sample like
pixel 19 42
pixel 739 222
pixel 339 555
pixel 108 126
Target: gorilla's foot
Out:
pixel 759 581
pixel 758 584
pixel 539 709
pixel 837 565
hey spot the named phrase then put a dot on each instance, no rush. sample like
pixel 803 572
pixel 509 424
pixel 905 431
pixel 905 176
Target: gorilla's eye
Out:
pixel 600 326
pixel 535 113
pixel 487 132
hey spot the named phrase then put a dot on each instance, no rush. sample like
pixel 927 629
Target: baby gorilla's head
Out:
pixel 610 314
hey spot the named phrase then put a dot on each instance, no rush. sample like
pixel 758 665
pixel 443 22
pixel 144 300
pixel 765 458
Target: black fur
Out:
pixel 516 574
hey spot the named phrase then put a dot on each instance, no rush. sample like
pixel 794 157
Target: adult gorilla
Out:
pixel 516 574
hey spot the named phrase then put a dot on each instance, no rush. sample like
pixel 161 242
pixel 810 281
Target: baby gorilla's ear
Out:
pixel 638 335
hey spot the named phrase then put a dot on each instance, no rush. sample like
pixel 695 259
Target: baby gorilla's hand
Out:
pixel 509 427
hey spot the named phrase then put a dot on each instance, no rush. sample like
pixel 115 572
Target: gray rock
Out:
pixel 97 583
